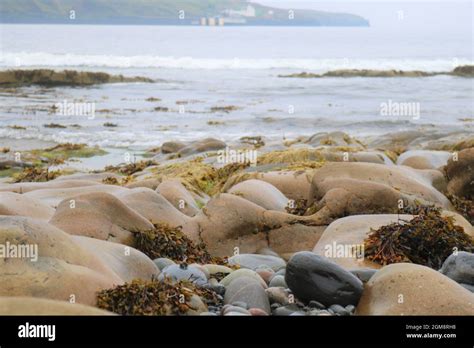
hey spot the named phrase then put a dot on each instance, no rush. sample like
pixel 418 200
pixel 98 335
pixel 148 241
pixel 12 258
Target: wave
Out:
pixel 43 59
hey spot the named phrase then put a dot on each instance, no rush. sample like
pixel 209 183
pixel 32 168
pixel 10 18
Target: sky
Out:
pixel 429 15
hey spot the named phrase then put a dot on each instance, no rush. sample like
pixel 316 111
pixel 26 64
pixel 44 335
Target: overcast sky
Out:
pixel 452 15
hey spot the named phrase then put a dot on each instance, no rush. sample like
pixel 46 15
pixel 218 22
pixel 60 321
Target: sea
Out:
pixel 225 82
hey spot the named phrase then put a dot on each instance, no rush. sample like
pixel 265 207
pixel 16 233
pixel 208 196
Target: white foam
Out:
pixel 42 59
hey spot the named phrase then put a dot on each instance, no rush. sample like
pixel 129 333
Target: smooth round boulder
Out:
pixel 17 204
pixel 459 267
pixel 313 277
pixel 249 291
pixel 409 289
pixel 41 306
pixel 261 193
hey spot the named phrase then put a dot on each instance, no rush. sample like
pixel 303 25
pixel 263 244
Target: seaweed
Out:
pixel 152 297
pixel 172 243
pixel 464 206
pixel 428 239
pixel 131 168
pixel 36 174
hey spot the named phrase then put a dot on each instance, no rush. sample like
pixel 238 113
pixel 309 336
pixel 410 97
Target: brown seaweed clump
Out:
pixel 464 206
pixel 428 239
pixel 36 174
pixel 152 297
pixel 172 243
pixel 131 168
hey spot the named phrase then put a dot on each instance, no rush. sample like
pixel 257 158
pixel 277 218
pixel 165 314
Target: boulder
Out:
pixel 100 215
pixel 424 159
pixel 459 267
pixel 153 206
pixel 409 289
pixel 174 191
pixel 62 269
pixel 41 306
pixel 127 262
pixel 313 277
pixel 261 193
pixel 16 204
pixel 460 174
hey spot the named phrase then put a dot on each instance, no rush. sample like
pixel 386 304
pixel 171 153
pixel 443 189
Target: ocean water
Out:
pixel 207 67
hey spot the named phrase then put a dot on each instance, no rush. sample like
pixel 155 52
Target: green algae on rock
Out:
pixel 51 78
pixel 428 239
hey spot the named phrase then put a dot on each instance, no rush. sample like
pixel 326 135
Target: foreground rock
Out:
pixel 460 174
pixel 312 277
pixel 249 291
pixel 424 159
pixel 63 270
pixel 41 306
pixel 128 263
pixel 396 289
pixel 100 215
pixel 343 240
pixel 459 267
pixel 16 204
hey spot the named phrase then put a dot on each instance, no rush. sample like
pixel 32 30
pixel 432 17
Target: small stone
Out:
pixel 338 309
pixel 242 273
pixel 162 262
pixel 317 305
pixel 285 310
pixel 208 314
pixel 240 304
pixel 265 273
pixel 236 314
pixel 257 312
pixel 228 309
pixel 182 272
pixel 278 281
pixel 350 308
pixel 213 269
pixel 278 295
pixel 254 261
pixel 459 267
pixel 248 290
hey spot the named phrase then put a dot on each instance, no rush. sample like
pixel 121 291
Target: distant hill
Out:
pixel 162 12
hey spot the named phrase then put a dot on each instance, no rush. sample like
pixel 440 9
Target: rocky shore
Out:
pixel 326 225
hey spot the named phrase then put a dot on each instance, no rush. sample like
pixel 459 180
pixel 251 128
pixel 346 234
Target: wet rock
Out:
pixel 100 215
pixel 459 267
pixel 177 273
pixel 254 261
pixel 261 193
pixel 248 290
pixel 312 277
pixel 278 281
pixel 396 289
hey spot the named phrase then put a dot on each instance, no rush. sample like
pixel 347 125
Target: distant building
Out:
pixel 211 21
pixel 203 21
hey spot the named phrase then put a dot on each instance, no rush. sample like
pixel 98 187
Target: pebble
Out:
pixel 254 261
pixel 338 309
pixel 459 267
pixel 162 262
pixel 278 281
pixel 257 312
pixel 183 272
pixel 248 290
pixel 240 304
pixel 242 273
pixel 278 295
pixel 316 304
